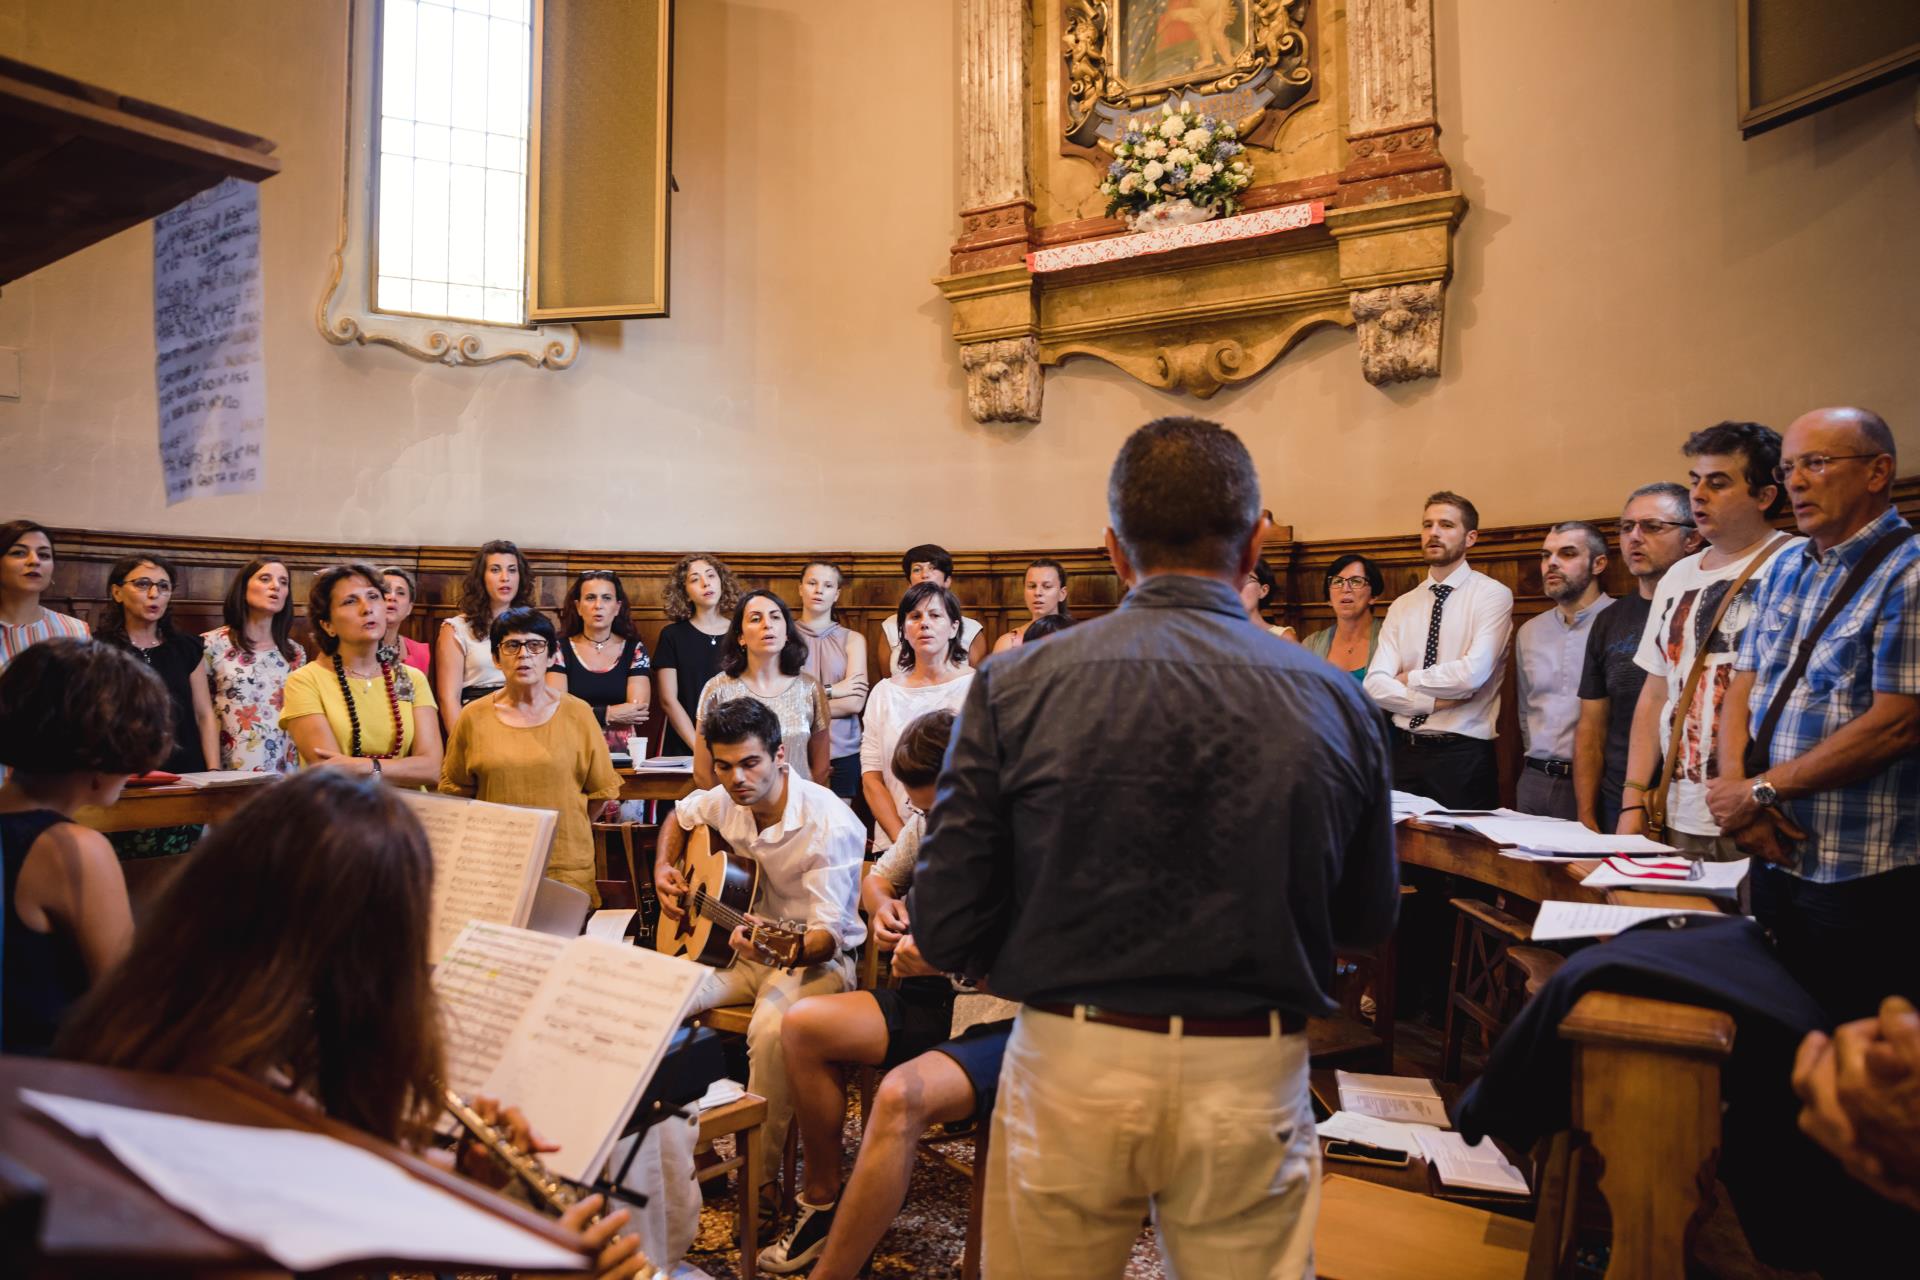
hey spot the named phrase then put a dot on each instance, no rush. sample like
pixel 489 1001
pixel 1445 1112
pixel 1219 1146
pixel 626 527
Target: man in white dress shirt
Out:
pixel 810 850
pixel 1548 653
pixel 1443 647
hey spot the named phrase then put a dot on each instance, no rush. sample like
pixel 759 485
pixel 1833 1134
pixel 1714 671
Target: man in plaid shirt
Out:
pixel 1833 821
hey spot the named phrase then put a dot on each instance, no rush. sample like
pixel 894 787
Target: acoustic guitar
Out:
pixel 721 887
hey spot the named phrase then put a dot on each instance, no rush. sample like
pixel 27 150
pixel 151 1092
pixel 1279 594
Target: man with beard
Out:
pixel 1548 652
pixel 1438 665
pixel 1656 530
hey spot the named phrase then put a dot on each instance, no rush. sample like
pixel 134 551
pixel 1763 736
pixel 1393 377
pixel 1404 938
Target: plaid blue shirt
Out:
pixel 1872 647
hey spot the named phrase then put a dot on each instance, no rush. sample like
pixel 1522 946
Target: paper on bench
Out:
pixel 304 1199
pixel 1552 837
pixel 1715 877
pixel 1480 1167
pixel 1351 1126
pixel 1561 920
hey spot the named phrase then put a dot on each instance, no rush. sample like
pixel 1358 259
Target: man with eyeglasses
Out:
pixel 1548 653
pixel 1733 495
pixel 1829 805
pixel 1656 531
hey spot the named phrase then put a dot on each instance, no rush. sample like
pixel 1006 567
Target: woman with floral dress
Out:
pixel 249 660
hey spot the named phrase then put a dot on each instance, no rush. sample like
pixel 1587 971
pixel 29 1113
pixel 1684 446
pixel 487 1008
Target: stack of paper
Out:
pixel 1402 1099
pixel 226 778
pixel 1666 874
pixel 1350 1126
pixel 1534 838
pixel 1480 1167
pixel 1561 920
pixel 1408 805
pixel 670 764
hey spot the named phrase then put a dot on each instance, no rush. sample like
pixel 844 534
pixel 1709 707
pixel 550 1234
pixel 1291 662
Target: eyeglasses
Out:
pixel 1653 528
pixel 514 648
pixel 1355 583
pixel 147 586
pixel 1814 464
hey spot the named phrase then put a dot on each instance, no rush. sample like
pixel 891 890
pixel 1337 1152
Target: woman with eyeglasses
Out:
pixel 26 571
pixel 601 659
pixel 358 709
pixel 498 579
pixel 1260 587
pixel 1352 584
pixel 532 745
pixel 400 589
pixel 248 662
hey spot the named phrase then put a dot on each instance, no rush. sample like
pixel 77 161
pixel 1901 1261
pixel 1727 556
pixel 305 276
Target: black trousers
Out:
pixel 1850 943
pixel 1461 773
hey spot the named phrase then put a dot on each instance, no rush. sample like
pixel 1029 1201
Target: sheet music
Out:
pixel 1401 1099
pixel 1560 920
pixel 1351 1126
pixel 610 923
pixel 588 1043
pixel 226 778
pixel 1555 838
pixel 487 858
pixel 485 983
pixel 306 1200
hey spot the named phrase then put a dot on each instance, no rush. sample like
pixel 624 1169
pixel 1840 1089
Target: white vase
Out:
pixel 1172 213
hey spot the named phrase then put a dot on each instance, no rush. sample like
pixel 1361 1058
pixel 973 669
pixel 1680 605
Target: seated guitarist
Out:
pixel 904 1027
pixel 809 847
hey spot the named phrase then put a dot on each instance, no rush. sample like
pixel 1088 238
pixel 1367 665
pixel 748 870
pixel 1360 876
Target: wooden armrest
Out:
pixel 1608 1018
pixel 1537 963
pixel 1493 917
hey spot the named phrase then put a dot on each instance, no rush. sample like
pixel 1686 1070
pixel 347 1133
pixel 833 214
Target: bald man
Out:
pixel 1828 801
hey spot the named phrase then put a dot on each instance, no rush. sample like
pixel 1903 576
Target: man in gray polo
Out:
pixel 1548 651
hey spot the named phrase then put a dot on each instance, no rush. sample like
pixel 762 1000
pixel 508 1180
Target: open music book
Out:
pixel 487 861
pixel 570 1030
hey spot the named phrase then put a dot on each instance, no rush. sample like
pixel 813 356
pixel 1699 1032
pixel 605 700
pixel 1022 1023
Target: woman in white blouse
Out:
pixel 499 579
pixel 933 675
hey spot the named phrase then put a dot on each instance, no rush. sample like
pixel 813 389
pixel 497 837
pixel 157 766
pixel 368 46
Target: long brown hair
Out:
pixel 572 624
pixel 476 605
pixel 233 611
pixel 294 937
pixel 113 624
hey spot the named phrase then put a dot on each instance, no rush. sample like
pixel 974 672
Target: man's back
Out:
pixel 1195 809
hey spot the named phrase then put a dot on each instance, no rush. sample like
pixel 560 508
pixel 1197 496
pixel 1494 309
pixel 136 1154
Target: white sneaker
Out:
pixel 802 1242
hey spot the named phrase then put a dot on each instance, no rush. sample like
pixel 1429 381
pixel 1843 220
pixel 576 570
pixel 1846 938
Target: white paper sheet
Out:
pixel 484 984
pixel 1714 877
pixel 1480 1167
pixel 210 778
pixel 1402 1099
pixel 1561 920
pixel 1351 1126
pixel 671 764
pixel 611 923
pixel 306 1200
pixel 1408 805
pixel 487 860
pixel 210 368
pixel 1555 837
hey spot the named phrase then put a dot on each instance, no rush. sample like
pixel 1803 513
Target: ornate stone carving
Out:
pixel 993 102
pixel 1399 328
pixel 1003 380
pixel 1390 64
pixel 1272 71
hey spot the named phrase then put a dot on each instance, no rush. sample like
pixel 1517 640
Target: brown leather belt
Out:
pixel 1261 1025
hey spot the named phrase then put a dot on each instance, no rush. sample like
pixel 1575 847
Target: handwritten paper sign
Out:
pixel 210 362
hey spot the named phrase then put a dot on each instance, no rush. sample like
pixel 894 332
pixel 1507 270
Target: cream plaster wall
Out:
pixel 1629 270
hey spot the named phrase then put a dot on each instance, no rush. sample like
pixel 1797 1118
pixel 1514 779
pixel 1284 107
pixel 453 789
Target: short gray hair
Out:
pixel 1678 500
pixel 1596 541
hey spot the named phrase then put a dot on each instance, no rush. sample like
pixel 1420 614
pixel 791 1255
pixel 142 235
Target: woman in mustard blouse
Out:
pixel 530 744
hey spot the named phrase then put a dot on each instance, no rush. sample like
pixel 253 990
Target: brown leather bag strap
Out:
pixel 1685 704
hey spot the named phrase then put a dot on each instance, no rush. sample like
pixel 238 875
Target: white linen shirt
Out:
pixel 1548 654
pixel 810 861
pixel 891 707
pixel 1474 629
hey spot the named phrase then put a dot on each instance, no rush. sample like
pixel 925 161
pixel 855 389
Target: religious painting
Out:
pixel 1166 42
pixel 1242 60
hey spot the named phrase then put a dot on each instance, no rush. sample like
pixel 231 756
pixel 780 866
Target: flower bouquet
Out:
pixel 1180 167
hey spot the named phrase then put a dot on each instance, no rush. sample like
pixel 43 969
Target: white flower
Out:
pixel 1154 149
pixel 1180 156
pixel 1172 127
pixel 1153 170
pixel 1239 166
pixel 1201 173
pixel 1129 184
pixel 1197 138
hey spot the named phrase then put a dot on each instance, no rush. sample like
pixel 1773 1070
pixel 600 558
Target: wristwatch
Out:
pixel 1763 793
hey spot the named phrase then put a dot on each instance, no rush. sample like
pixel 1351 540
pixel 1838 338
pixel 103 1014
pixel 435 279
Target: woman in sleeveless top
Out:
pixel 837 660
pixel 761 659
pixel 463 667
pixel 699 598
pixel 1045 590
pixel 601 660
pixel 26 572
pixel 77 718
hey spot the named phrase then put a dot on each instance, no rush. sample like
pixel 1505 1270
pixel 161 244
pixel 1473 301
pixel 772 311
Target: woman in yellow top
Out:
pixel 534 746
pixel 349 710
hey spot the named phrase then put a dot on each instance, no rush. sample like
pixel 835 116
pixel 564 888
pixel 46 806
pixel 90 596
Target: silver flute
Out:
pixel 549 1191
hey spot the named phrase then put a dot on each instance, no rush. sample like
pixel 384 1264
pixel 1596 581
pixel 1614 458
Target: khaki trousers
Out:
pixel 1096 1126
pixel 771 992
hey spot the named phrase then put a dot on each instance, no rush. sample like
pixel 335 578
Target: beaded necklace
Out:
pixel 353 714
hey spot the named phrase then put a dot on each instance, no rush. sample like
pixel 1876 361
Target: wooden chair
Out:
pixel 1646 1101
pixel 732 1020
pixel 623 871
pixel 743 1118
pixel 1479 989
pixel 1350 1039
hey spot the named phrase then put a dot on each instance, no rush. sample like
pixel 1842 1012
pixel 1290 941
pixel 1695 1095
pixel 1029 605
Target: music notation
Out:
pixel 487 859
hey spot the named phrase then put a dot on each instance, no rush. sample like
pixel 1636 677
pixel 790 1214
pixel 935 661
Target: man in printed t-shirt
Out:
pixel 1733 494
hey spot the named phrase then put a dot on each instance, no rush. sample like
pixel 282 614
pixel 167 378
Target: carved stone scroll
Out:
pixel 1399 332
pixel 1003 380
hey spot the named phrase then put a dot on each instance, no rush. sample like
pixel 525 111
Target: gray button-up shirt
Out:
pixel 1167 810
pixel 1548 654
